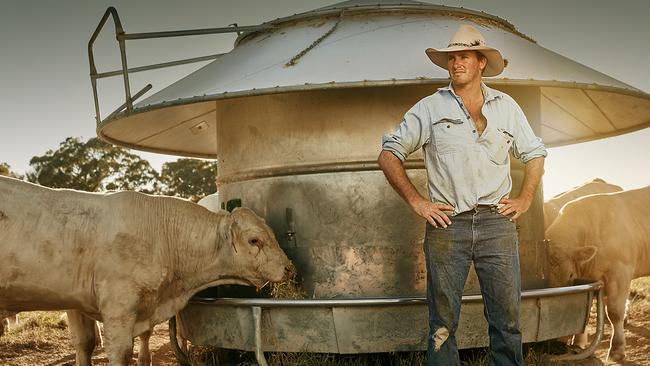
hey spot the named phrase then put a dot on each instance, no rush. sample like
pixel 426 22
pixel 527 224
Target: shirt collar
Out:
pixel 489 93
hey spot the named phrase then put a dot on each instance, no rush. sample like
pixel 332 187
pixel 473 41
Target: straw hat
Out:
pixel 467 38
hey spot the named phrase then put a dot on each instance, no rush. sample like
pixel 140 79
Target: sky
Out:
pixel 45 92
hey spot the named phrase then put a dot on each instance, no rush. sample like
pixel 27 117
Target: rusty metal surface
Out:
pixel 354 236
pixel 595 342
pixel 349 240
pixel 295 330
pixel 338 327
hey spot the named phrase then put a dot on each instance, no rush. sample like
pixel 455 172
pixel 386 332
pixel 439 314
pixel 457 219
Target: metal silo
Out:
pixel 295 113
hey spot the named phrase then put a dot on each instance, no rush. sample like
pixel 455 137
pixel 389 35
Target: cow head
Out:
pixel 257 256
pixel 565 264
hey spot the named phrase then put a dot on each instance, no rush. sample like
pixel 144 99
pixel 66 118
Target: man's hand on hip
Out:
pixel 514 207
pixel 433 212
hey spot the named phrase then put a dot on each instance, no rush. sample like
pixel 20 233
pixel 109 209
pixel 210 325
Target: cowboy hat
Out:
pixel 467 38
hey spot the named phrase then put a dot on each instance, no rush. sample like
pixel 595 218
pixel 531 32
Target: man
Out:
pixel 466 131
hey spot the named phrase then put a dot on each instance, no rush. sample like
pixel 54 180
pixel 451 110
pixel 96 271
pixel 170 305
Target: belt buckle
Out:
pixel 484 207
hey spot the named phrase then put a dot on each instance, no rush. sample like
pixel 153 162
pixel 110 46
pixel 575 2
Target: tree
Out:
pixel 92 166
pixel 189 178
pixel 5 170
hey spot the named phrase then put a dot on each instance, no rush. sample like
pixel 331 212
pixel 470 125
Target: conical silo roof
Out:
pixel 366 43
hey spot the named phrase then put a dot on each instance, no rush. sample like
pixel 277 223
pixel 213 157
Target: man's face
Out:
pixel 465 67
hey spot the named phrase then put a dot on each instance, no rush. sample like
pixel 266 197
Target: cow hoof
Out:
pixel 616 356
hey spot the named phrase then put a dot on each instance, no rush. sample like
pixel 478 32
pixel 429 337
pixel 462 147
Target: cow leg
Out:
pixel 144 355
pixel 180 338
pixel 12 321
pixel 118 332
pixel 581 340
pixel 8 320
pixel 82 332
pixel 99 340
pixel 617 292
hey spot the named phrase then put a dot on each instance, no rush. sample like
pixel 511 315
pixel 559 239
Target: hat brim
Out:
pixel 495 63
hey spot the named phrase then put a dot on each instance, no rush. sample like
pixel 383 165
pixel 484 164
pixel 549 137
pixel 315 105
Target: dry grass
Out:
pixel 38 331
pixel 639 303
pixel 313 359
pixel 535 355
pixel 291 290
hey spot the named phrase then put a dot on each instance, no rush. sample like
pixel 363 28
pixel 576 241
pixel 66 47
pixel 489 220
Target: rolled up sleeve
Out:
pixel 411 134
pixel 526 145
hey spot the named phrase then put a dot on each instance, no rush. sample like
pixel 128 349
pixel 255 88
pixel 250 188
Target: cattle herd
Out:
pixel 132 260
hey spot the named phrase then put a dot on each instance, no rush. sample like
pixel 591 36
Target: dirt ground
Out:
pixel 46 342
pixel 51 347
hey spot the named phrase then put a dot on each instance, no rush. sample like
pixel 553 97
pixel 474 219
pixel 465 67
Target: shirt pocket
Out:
pixel 448 134
pixel 497 142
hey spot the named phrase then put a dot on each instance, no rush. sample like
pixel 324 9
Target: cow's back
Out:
pixel 617 223
pixel 48 239
pixel 552 206
pixel 63 248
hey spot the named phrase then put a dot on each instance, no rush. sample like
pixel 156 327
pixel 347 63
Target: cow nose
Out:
pixel 289 271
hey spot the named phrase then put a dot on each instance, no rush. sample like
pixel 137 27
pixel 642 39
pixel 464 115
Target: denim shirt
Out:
pixel 463 168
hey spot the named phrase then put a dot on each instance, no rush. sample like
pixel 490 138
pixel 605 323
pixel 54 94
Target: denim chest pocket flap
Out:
pixel 498 143
pixel 448 134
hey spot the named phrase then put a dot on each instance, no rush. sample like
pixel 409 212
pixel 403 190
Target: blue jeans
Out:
pixel 489 239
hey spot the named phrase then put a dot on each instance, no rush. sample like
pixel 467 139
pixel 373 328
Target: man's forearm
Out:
pixel 533 171
pixel 396 176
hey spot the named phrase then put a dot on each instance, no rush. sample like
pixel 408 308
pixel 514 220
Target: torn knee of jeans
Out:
pixel 439 337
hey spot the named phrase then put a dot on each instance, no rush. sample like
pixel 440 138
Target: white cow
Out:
pixel 211 202
pixel 552 206
pixel 603 237
pixel 128 259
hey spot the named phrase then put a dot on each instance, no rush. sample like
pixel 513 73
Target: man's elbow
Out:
pixel 385 159
pixel 536 163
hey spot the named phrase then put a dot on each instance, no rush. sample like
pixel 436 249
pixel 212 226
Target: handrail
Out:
pixel 410 300
pixel 122 37
pixel 181 357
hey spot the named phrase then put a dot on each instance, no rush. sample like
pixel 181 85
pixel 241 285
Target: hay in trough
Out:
pixel 288 290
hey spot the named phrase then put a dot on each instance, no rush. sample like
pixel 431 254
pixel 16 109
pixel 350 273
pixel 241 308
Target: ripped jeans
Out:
pixel 490 240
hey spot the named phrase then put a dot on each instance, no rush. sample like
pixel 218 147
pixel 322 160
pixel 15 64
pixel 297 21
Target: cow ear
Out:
pixel 225 229
pixel 585 254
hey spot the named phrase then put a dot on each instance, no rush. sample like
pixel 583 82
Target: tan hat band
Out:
pixel 473 44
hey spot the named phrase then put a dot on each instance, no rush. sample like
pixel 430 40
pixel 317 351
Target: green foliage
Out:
pixel 97 166
pixel 189 178
pixel 92 166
